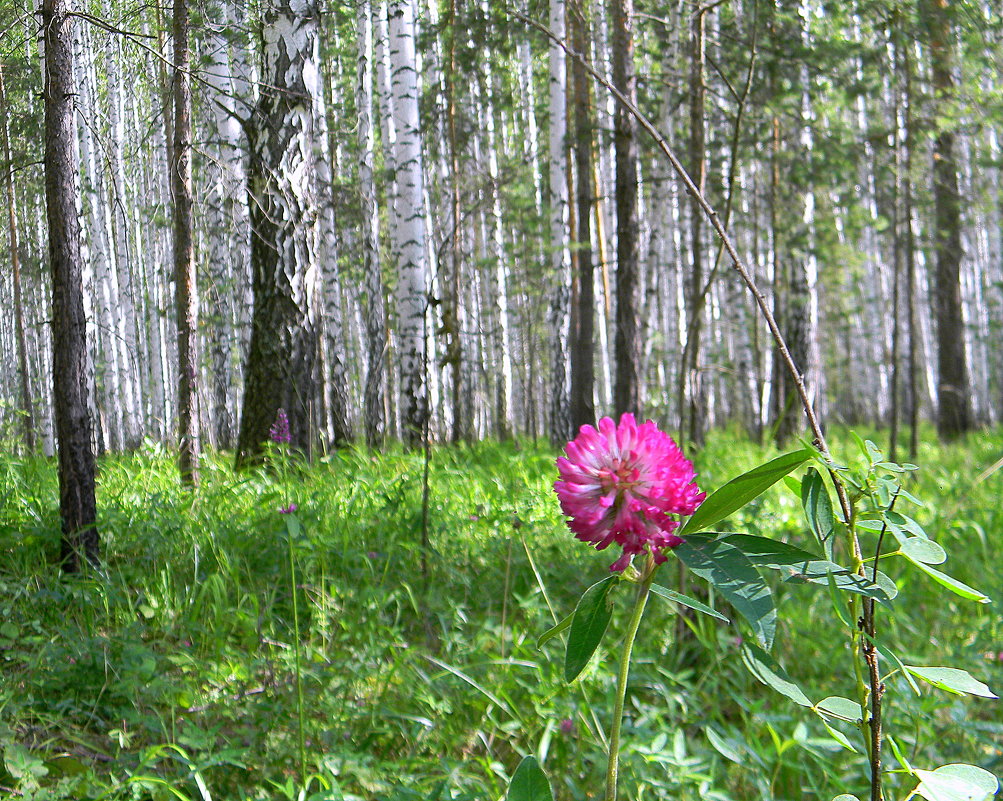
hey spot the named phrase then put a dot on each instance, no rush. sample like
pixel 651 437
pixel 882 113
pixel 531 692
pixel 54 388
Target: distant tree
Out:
pixel 186 304
pixel 27 412
pixel 627 389
pixel 77 506
pixel 560 255
pixel 583 282
pixel 281 364
pixel 408 221
pixel 375 319
pixel 954 413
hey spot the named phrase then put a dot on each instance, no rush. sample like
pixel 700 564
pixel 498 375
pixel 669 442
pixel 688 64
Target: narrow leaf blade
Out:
pixel 685 600
pixel 739 491
pixel 955 586
pixel 953 680
pixel 769 672
pixel 735 577
pixel 588 625
pixel 552 632
pixel 818 509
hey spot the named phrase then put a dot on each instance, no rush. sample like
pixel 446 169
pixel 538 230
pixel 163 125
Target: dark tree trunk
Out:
pixel 910 262
pixel 627 385
pixel 282 361
pixel 694 413
pixel 27 412
pixel 77 507
pixel 184 256
pixel 583 291
pixel 954 414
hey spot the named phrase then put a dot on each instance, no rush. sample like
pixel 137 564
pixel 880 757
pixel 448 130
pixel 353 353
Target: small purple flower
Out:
pixel 567 726
pixel 279 431
pixel 287 510
pixel 372 554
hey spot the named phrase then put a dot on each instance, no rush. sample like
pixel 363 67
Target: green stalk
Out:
pixel 291 531
pixel 296 658
pixel 613 762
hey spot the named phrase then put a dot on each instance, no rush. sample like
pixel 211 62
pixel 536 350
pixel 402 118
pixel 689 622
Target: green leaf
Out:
pixel 838 604
pixel 588 625
pixel 768 671
pixel 889 655
pixel 729 749
pixel 739 491
pixel 842 739
pixel 956 783
pixel 841 708
pixel 685 600
pixel 955 586
pixel 735 577
pixel 917 549
pixel 818 509
pixel 953 680
pixel 776 555
pixel 529 782
pixel 550 633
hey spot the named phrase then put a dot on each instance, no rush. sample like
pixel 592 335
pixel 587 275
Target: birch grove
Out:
pixel 385 245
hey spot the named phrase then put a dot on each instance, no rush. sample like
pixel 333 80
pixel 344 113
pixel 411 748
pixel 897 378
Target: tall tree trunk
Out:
pixel 910 260
pixel 954 415
pixel 583 308
pixel 335 371
pixel 226 220
pixel 186 303
pixel 691 386
pixel 27 412
pixel 451 294
pixel 77 506
pixel 412 290
pixel 560 258
pixel 627 385
pixel 125 310
pixel 281 364
pixel 375 321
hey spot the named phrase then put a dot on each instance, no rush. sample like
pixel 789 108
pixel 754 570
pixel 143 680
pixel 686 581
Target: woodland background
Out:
pixel 472 258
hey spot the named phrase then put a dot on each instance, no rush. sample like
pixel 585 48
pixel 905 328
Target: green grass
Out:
pixel 170 674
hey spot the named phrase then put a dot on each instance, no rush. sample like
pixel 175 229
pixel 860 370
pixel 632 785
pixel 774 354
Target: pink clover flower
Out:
pixel 621 484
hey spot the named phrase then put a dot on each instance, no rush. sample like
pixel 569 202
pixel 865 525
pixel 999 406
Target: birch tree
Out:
pixel 281 364
pixel 560 254
pixel 186 302
pixel 409 221
pixel 375 315
pixel 27 412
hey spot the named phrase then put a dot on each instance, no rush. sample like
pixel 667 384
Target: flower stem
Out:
pixel 613 762
pixel 296 657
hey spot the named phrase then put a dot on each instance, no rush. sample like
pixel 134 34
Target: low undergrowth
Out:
pixel 170 673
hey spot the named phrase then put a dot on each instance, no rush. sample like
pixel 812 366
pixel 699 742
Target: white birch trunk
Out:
pixel 560 297
pixel 375 314
pixel 409 221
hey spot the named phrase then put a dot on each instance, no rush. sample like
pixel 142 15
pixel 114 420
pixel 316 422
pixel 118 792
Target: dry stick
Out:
pixel 778 338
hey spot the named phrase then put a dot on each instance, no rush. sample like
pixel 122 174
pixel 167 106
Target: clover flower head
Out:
pixel 279 432
pixel 622 484
pixel 287 510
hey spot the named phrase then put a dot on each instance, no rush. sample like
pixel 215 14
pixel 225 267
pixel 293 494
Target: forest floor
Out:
pixel 172 672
